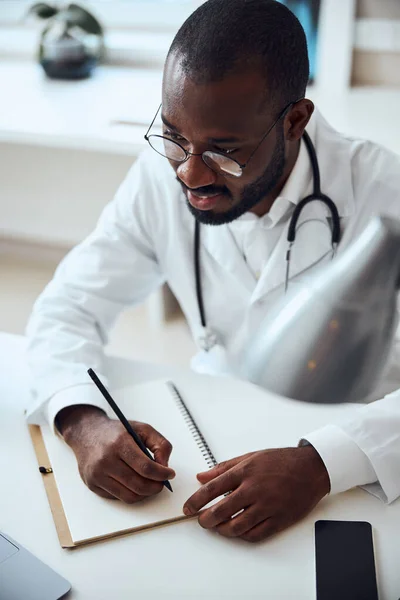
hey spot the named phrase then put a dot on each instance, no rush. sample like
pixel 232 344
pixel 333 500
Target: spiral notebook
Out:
pixel 80 516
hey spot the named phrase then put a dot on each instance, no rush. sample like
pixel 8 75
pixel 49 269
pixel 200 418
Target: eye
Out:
pixel 174 136
pixel 227 150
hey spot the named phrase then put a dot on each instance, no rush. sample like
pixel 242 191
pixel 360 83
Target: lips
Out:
pixel 204 202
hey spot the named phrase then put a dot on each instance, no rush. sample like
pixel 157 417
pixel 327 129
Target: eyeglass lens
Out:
pixel 172 151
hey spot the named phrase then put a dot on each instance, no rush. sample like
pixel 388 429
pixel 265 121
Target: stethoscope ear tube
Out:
pixel 316 195
pixel 291 236
pixel 198 273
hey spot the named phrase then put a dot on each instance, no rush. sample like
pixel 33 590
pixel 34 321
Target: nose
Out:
pixel 194 173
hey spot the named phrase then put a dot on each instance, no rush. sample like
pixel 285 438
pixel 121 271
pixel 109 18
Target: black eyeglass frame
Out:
pixel 188 154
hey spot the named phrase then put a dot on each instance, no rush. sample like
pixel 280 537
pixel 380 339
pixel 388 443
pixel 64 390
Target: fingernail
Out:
pixel 187 511
pixel 172 475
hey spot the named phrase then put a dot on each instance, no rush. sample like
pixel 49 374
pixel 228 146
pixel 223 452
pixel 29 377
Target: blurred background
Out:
pixel 79 84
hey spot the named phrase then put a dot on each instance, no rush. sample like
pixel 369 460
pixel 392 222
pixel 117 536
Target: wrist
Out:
pixel 72 421
pixel 317 470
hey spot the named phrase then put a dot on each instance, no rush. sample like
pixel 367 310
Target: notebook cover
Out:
pixel 57 510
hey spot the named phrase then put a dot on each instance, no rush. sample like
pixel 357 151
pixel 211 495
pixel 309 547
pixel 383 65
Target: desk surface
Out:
pixel 79 114
pixel 184 561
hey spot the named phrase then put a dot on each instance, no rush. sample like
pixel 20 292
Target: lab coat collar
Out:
pixel 313 241
pixel 334 165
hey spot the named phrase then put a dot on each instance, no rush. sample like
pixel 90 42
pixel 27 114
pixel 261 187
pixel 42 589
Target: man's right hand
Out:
pixel 109 461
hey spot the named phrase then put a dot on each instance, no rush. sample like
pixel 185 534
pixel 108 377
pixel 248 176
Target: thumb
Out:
pixel 220 468
pixel 162 452
pixel 157 443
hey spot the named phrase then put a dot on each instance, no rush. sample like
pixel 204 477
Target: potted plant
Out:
pixel 71 43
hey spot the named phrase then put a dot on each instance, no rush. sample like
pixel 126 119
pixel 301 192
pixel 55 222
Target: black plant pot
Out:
pixel 69 69
pixel 68 57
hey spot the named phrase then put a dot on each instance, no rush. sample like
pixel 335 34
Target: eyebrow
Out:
pixel 167 123
pixel 219 140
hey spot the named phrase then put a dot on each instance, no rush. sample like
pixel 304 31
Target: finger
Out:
pixel 220 468
pixel 216 487
pixel 134 482
pixel 135 458
pixel 222 510
pixel 263 530
pixel 119 491
pixel 240 524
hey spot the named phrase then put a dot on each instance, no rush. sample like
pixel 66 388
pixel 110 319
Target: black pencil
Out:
pixel 122 418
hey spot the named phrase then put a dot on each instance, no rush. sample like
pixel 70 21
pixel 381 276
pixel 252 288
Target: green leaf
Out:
pixel 43 10
pixel 84 19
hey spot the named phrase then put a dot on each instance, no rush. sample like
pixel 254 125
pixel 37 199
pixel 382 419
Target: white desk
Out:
pixel 79 115
pixel 184 561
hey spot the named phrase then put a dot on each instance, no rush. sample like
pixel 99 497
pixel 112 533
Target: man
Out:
pixel 233 88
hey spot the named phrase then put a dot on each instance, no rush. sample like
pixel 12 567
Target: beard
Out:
pixel 251 194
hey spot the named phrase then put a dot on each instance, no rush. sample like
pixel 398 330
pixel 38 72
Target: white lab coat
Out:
pixel 145 237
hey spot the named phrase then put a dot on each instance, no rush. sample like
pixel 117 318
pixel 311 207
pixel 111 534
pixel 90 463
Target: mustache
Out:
pixel 207 190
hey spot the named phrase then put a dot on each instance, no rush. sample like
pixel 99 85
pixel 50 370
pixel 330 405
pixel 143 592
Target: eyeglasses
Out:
pixel 217 161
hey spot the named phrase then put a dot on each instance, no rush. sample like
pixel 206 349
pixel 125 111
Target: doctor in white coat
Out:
pixel 231 158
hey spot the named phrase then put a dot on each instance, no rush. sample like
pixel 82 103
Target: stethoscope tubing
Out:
pixel 291 235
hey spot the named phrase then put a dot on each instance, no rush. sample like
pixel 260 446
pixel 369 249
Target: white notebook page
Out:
pixel 90 516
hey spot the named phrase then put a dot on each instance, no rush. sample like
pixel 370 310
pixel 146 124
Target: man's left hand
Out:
pixel 270 489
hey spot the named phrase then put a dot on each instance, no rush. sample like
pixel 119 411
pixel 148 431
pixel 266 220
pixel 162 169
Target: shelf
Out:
pixel 35 110
pixel 83 114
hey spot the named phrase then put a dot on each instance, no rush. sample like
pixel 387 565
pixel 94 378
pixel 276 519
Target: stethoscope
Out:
pixel 209 338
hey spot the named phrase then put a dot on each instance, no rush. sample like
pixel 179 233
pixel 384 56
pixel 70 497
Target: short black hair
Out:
pixel 229 36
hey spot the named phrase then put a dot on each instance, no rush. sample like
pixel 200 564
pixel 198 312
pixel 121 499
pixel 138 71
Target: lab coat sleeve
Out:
pixel 113 268
pixel 364 450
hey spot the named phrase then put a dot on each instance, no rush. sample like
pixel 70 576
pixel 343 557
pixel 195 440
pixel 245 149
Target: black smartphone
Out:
pixel 345 564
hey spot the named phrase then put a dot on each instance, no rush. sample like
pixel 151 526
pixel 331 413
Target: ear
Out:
pixel 297 119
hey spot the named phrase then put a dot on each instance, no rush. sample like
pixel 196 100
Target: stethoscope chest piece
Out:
pixel 207 339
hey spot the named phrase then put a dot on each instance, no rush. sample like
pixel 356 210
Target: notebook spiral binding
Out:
pixel 193 428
